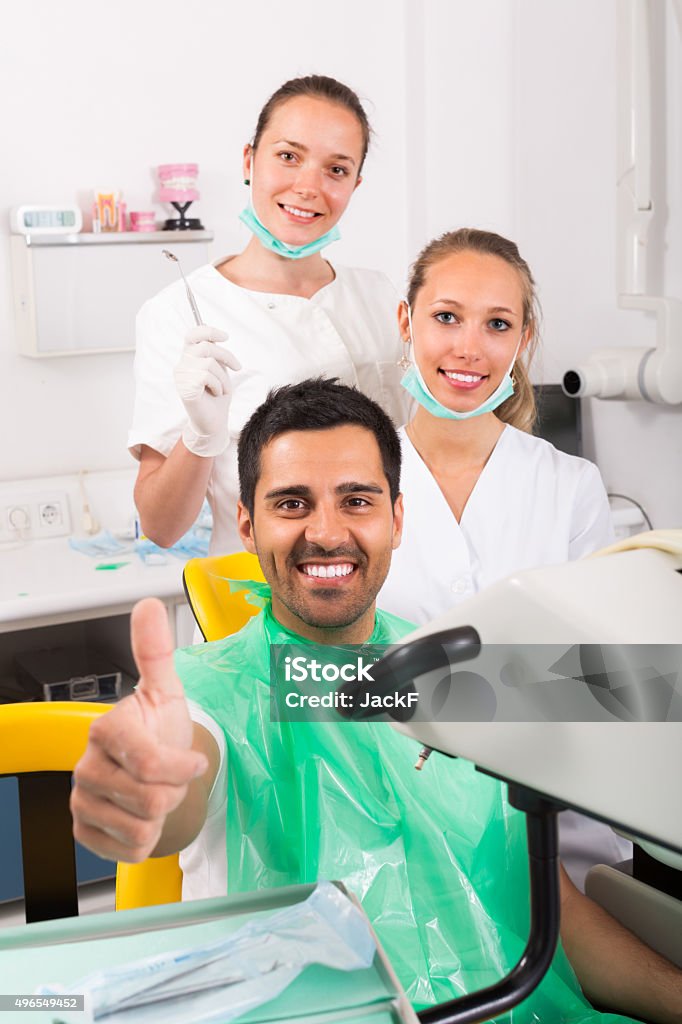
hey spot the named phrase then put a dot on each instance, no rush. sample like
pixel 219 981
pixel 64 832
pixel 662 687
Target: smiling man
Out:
pixel 437 858
pixel 319 475
pixel 319 471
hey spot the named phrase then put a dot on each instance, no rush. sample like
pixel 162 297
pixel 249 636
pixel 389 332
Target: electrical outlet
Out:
pixel 35 516
pixel 18 520
pixel 52 515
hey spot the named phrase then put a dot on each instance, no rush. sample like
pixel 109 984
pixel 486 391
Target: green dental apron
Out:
pixel 438 858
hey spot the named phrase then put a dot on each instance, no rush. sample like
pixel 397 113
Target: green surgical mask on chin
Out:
pixel 414 384
pixel 249 217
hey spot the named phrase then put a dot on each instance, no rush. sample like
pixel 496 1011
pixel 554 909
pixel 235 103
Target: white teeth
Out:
pixel 179 182
pixel 327 571
pixel 466 378
pixel 299 213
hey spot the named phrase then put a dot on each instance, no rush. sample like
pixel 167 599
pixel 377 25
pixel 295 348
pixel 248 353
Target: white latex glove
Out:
pixel 203 383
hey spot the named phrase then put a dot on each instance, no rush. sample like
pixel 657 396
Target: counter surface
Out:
pixel 44 582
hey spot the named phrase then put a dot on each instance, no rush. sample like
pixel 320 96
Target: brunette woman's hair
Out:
pixel 319 87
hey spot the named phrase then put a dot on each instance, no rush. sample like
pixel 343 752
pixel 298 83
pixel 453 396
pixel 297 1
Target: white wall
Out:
pixel 96 96
pixel 499 114
pixel 567 210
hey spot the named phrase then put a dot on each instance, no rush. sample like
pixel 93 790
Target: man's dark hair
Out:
pixel 315 404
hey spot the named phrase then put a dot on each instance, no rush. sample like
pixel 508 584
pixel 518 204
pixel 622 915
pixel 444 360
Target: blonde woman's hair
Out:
pixel 519 410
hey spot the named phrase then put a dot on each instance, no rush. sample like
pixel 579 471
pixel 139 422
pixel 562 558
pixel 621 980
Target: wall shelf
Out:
pixel 77 294
pixel 118 238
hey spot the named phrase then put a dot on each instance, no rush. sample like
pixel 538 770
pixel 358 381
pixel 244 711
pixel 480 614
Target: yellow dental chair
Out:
pixel 40 743
pixel 216 608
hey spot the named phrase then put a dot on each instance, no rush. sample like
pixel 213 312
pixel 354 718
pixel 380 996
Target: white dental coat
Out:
pixel 532 505
pixel 348 329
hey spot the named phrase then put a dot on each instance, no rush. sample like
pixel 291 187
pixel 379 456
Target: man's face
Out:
pixel 323 528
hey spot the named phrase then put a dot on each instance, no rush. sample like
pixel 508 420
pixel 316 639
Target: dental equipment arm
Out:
pixel 539 701
pixel 652 374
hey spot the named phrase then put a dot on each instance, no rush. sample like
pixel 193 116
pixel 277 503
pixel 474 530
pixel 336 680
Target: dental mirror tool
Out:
pixel 190 294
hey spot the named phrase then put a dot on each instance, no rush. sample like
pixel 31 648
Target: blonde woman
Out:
pixel 483 497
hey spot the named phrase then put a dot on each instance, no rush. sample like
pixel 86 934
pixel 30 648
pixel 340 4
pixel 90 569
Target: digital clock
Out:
pixel 45 220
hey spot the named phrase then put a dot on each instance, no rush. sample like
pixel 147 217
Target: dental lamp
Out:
pixel 540 680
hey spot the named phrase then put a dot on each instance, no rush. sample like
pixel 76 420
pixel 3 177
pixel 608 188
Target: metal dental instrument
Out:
pixel 190 294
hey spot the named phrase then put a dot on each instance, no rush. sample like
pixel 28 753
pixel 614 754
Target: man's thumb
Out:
pixel 152 643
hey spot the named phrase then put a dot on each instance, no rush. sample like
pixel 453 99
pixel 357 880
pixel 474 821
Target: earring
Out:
pixel 404 363
pixel 247 181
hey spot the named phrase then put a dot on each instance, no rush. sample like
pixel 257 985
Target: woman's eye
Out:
pixel 446 318
pixel 499 325
pixel 339 172
pixel 287 157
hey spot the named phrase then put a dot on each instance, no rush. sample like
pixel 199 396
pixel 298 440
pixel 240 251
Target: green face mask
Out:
pixel 414 384
pixel 249 217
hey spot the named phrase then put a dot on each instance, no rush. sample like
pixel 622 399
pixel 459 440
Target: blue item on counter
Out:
pixel 193 544
pixel 103 543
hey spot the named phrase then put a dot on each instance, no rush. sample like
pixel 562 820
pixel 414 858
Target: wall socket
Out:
pixel 37 516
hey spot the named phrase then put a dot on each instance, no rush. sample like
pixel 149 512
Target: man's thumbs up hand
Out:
pixel 139 759
pixel 159 691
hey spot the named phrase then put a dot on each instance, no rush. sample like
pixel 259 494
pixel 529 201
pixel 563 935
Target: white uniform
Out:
pixel 532 505
pixel 204 861
pixel 348 330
